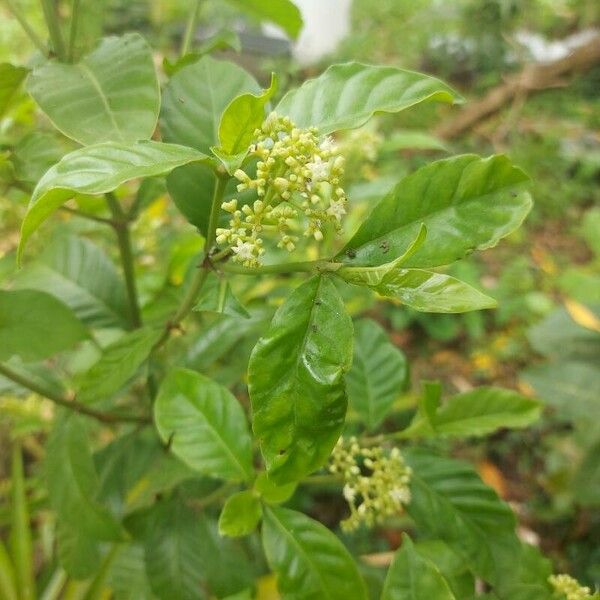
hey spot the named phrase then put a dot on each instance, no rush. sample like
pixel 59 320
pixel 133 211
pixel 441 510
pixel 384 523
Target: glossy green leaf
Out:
pixel 217 297
pixel 450 502
pixel 414 577
pixel 204 425
pixel 466 202
pixel 72 484
pixel 279 12
pixel 111 95
pixel 119 363
pixel 240 120
pixel 35 325
pixel 308 559
pixel 295 380
pixel 427 291
pixel 478 412
pixel 78 273
pixel 11 78
pixel 378 374
pixel 346 96
pixel 240 514
pixel 100 169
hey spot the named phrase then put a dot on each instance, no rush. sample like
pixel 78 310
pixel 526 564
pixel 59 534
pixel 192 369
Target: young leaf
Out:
pixel 239 122
pixel 450 502
pixel 427 291
pixel 111 95
pixel 378 374
pixel 240 515
pixel 279 12
pixel 204 425
pixel 414 577
pixel 478 412
pixel 295 380
pixel 118 363
pixel 35 325
pixel 309 560
pixel 100 169
pixel 429 402
pixel 270 491
pixel 346 96
pixel 467 203
pixel 11 78
pixel 78 273
pixel 217 297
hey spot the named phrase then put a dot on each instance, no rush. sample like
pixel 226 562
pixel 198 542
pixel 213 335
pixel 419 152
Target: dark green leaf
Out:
pixel 240 515
pixel 295 380
pixel 78 273
pixel 467 203
pixel 35 325
pixel 348 95
pixel 111 95
pixel 217 297
pixel 100 169
pixel 309 560
pixel 127 577
pixel 204 425
pixel 118 363
pixel 280 12
pixel 11 78
pixel 414 577
pixel 378 374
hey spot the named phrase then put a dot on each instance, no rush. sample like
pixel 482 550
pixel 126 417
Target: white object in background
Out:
pixel 326 24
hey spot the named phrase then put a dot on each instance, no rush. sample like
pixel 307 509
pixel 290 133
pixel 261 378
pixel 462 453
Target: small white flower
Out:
pixel 319 170
pixel 327 145
pixel 337 210
pixel 349 493
pixel 400 495
pixel 244 250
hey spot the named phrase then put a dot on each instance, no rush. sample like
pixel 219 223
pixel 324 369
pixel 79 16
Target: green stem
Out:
pixel 55 585
pixel 315 266
pixel 121 227
pixel 72 404
pixel 96 589
pixel 215 211
pixel 322 480
pixel 83 215
pixel 33 36
pixel 53 24
pixel 73 31
pixel 189 28
pixel 215 496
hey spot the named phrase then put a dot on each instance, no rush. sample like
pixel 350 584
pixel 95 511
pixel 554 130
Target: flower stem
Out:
pixel 33 36
pixel 53 24
pixel 314 266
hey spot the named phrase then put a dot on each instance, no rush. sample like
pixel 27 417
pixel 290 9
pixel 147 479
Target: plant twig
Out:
pixel 121 227
pixel 84 215
pixel 73 30
pixel 189 28
pixel 53 24
pixel 33 36
pixel 70 403
pixel 214 496
pixel 314 266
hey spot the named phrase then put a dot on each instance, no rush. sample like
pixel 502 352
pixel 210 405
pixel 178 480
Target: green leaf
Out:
pixel 111 95
pixel 346 96
pixel 270 491
pixel 11 78
pixel 309 560
pixel 378 374
pixel 217 297
pixel 100 169
pixel 78 273
pixel 119 363
pixel 204 425
pixel 295 380
pixel 127 577
pixel 466 202
pixel 239 122
pixel 450 502
pixel 279 12
pixel 35 325
pixel 240 515
pixel 427 291
pixel 478 412
pixel 8 588
pixel 414 577
pixel 173 553
pixel 429 402
pixel 20 531
pixel 73 484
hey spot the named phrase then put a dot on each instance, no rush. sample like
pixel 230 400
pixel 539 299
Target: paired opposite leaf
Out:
pixel 378 374
pixel 240 515
pixel 346 96
pixel 478 412
pixel 467 203
pixel 295 380
pixel 414 577
pixel 111 95
pixel 204 425
pixel 309 560
pixel 100 169
pixel 35 325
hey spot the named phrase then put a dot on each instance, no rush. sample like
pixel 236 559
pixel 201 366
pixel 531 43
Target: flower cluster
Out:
pixel 298 176
pixel 568 587
pixel 376 484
